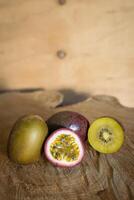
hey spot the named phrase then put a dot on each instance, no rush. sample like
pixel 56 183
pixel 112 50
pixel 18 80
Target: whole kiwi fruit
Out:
pixel 26 139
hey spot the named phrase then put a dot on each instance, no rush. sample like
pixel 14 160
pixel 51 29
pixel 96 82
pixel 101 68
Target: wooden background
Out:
pixel 96 37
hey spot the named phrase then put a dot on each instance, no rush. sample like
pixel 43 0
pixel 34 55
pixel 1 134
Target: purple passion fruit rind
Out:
pixel 70 120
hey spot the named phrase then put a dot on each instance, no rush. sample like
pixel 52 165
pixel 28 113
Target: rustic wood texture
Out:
pixel 95 39
pixel 98 177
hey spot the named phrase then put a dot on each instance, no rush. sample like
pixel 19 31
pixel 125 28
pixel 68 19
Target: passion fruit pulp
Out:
pixel 26 139
pixel 63 148
pixel 106 135
pixel 70 120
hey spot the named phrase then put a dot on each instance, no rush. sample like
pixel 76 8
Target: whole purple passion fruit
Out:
pixel 71 120
pixel 63 148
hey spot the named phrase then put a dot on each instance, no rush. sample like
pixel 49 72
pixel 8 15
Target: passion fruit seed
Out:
pixel 64 147
pixel 106 135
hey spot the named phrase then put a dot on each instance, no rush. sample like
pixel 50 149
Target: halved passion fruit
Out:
pixel 63 148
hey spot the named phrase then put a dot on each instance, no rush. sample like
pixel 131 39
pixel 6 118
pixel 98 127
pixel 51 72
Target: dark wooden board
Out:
pixel 98 177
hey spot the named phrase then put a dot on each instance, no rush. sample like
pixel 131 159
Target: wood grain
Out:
pixel 95 35
pixel 98 177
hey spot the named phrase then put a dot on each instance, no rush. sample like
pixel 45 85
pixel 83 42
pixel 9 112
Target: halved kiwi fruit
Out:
pixel 106 135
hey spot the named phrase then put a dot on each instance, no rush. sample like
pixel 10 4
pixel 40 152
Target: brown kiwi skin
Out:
pixel 56 165
pixel 41 135
pixel 69 119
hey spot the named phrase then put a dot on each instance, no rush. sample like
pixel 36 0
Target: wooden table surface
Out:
pixel 98 177
pixel 94 40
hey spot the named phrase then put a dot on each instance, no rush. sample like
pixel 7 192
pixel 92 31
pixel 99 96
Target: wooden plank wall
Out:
pixel 81 45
